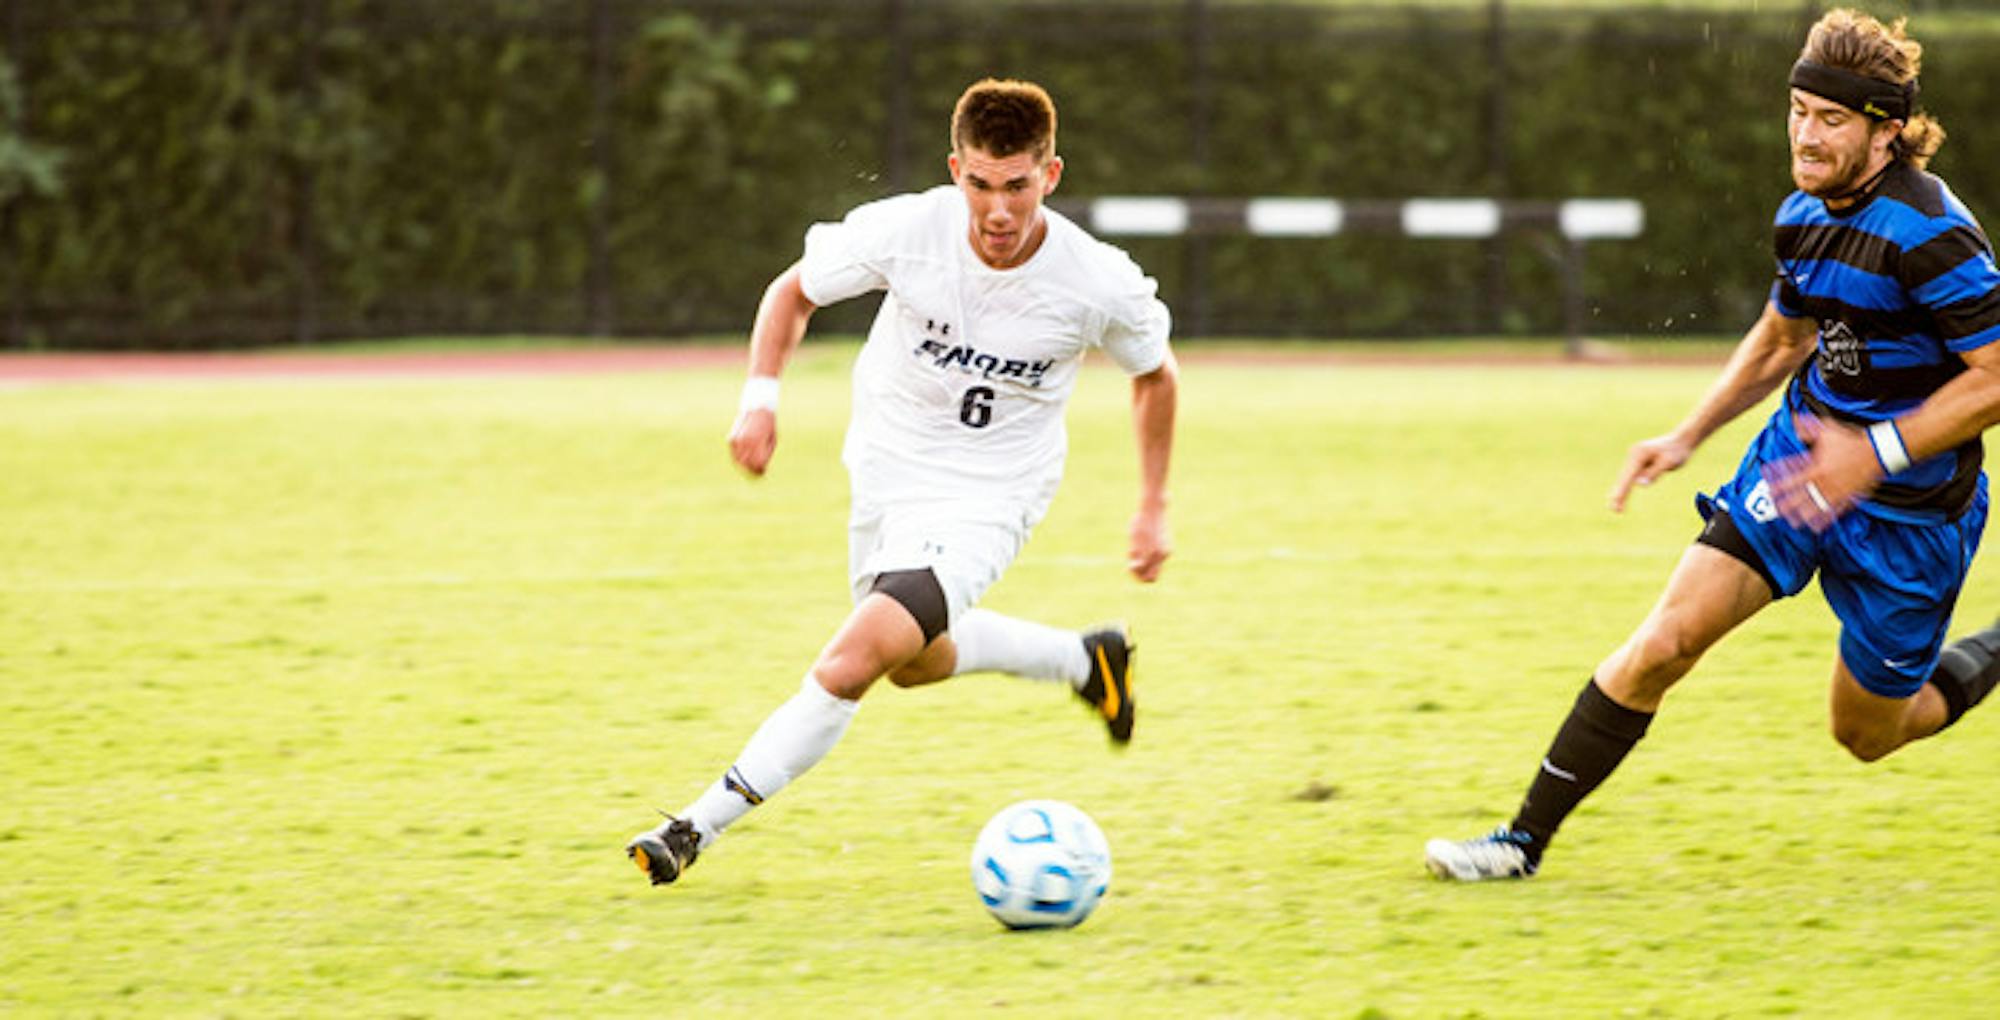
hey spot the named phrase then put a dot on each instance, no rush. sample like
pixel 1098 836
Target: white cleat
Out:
pixel 1501 853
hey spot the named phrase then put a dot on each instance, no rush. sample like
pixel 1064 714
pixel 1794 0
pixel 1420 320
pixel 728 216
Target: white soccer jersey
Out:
pixel 960 389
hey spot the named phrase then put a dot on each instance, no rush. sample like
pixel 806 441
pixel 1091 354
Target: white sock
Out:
pixel 988 641
pixel 792 739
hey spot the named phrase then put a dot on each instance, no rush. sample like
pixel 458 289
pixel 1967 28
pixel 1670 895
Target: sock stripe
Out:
pixel 735 783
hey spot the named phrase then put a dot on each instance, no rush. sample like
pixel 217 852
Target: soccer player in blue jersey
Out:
pixel 1884 318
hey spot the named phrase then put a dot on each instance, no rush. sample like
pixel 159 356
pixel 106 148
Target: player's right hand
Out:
pixel 1647 460
pixel 753 440
pixel 1150 545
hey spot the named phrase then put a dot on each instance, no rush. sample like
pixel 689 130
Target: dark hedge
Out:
pixel 238 172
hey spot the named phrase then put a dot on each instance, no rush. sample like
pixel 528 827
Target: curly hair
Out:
pixel 1002 117
pixel 1852 41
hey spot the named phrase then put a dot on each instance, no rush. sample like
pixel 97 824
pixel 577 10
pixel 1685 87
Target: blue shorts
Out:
pixel 1891 582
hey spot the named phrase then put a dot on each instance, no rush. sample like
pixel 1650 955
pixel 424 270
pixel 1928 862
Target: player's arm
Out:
pixel 1965 407
pixel 1847 463
pixel 780 325
pixel 1154 396
pixel 1770 352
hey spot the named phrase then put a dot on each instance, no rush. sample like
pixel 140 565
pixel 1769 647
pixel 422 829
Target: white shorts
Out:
pixel 968 545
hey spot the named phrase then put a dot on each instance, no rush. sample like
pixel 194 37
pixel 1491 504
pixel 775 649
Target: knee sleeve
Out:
pixel 919 592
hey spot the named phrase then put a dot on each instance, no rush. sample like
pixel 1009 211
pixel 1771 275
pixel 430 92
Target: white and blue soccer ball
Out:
pixel 1041 864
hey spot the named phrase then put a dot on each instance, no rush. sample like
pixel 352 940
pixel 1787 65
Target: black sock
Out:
pixel 1966 673
pixel 1590 744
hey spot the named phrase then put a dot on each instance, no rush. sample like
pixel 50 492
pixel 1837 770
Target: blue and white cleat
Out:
pixel 1502 853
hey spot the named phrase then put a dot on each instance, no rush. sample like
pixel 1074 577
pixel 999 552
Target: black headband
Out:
pixel 1879 99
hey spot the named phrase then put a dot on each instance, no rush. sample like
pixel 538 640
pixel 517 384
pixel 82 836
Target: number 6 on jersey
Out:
pixel 976 410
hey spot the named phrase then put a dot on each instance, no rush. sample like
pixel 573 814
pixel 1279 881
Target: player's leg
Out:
pixel 931 665
pixel 1894 586
pixel 1713 589
pixel 1967 672
pixel 894 630
pixel 880 634
pixel 1871 725
pixel 904 592
pixel 1097 664
pixel 923 593
pixel 969 546
pixel 1709 594
pixel 989 642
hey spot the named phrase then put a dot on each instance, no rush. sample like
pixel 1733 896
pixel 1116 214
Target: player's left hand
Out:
pixel 1150 545
pixel 1813 489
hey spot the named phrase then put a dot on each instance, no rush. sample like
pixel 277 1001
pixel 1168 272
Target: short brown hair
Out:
pixel 1852 41
pixel 1002 117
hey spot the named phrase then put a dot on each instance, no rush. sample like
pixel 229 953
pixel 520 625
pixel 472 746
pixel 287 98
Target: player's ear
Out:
pixel 951 164
pixel 1886 133
pixel 1051 173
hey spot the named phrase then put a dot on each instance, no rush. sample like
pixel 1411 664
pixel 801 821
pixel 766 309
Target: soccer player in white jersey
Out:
pixel 957 441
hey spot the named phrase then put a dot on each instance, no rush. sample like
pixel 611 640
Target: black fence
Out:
pixel 238 172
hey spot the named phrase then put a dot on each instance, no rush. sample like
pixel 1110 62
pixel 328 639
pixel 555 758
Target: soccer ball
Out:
pixel 1041 864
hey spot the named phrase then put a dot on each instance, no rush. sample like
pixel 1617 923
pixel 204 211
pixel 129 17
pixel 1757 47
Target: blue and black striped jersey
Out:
pixel 1901 283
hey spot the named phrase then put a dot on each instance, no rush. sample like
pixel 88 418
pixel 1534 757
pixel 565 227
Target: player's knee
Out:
pixel 846 672
pixel 914 674
pixel 936 662
pixel 1665 650
pixel 1866 743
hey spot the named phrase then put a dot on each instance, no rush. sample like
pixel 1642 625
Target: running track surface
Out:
pixel 34 368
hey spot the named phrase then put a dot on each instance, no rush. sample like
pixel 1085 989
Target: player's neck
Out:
pixel 1871 179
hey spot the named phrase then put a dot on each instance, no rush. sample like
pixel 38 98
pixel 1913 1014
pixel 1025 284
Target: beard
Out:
pixel 1835 175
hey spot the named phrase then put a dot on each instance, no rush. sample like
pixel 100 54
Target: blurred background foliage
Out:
pixel 24 166
pixel 227 172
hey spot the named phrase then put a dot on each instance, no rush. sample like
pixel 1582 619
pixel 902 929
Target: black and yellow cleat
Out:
pixel 1109 688
pixel 665 852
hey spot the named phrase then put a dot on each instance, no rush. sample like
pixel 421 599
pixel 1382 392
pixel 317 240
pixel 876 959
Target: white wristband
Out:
pixel 1889 448
pixel 760 393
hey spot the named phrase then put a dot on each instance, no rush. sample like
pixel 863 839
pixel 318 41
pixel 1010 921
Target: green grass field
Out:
pixel 340 698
